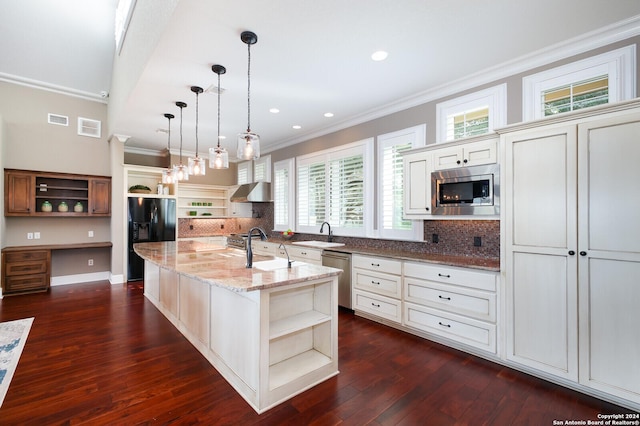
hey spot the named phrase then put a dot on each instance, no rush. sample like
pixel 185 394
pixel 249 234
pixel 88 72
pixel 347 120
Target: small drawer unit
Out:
pixel 377 286
pixel 456 303
pixel 25 271
pixel 304 254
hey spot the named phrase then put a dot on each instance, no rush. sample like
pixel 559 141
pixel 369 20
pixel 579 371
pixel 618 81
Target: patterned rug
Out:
pixel 13 336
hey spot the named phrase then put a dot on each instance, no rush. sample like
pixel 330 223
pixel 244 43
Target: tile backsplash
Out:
pixel 455 237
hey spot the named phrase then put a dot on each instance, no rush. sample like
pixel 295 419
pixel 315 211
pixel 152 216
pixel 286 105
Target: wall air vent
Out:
pixel 60 120
pixel 88 127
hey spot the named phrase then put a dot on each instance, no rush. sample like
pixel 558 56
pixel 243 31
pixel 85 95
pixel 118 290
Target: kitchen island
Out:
pixel 270 331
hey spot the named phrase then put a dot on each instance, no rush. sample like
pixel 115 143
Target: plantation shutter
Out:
pixel 311 194
pixel 346 195
pixel 393 187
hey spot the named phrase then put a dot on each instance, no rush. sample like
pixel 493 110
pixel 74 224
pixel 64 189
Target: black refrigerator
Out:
pixel 150 219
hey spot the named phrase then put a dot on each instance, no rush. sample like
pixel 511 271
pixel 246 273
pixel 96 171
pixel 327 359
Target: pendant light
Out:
pixel 181 171
pixel 248 142
pixel 167 174
pixel 218 156
pixel 197 165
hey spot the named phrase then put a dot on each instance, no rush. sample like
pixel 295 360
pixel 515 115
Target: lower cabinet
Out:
pixel 302 254
pixel 454 303
pixel 26 271
pixel 377 286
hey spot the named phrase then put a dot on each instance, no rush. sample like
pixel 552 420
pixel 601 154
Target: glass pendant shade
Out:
pixel 248 146
pixel 167 177
pixel 197 166
pixel 218 158
pixel 181 172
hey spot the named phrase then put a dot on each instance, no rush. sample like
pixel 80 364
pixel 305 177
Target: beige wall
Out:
pixel 30 143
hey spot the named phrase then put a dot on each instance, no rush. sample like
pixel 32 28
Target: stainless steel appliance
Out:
pixel 239 241
pixel 150 219
pixel 473 190
pixel 340 260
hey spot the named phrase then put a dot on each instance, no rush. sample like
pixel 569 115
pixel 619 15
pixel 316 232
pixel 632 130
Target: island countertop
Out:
pixel 226 267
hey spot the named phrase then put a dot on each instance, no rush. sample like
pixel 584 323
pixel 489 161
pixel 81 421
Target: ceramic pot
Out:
pixel 78 207
pixel 63 207
pixel 46 206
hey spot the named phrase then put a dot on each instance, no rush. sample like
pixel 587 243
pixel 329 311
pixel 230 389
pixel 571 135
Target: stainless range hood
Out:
pixel 257 192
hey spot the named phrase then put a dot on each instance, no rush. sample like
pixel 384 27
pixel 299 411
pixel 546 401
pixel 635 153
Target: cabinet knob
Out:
pixel 571 252
pixel 458 162
pixel 426 208
pixel 465 161
pixel 583 253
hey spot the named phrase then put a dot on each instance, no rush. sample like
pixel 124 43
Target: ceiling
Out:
pixel 312 57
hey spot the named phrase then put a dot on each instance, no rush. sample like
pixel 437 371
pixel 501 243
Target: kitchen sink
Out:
pixel 272 265
pixel 317 244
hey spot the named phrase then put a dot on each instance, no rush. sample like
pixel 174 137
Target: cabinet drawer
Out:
pixel 455 327
pixel 25 268
pixel 386 265
pixel 478 304
pixel 381 306
pixel 263 248
pixel 305 254
pixel 482 280
pixel 22 256
pixel 376 282
pixel 26 283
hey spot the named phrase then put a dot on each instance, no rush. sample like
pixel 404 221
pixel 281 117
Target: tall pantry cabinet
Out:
pixel 571 239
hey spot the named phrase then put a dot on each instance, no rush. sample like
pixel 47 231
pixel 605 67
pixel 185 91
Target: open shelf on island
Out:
pixel 297 366
pixel 297 322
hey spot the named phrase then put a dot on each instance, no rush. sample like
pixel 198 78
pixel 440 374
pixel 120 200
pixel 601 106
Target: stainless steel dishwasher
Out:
pixel 340 260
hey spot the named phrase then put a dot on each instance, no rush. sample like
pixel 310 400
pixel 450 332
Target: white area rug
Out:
pixel 13 336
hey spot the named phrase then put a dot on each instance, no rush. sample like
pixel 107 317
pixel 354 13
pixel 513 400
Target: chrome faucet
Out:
pixel 263 237
pixel 330 238
pixel 287 253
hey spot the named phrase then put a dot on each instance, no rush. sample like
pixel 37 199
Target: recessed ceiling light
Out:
pixel 297 127
pixel 328 114
pixel 380 55
pixel 274 110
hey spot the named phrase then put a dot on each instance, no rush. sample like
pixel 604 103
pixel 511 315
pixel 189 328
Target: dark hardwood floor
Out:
pixel 102 354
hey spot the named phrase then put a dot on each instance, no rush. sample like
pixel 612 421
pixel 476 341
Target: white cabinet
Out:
pixel 238 209
pixel 455 303
pixel 264 248
pixel 572 253
pixel 202 201
pixel 417 183
pixel 302 254
pixel 469 154
pixel 377 286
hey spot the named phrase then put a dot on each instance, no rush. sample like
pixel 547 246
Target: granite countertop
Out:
pixel 225 267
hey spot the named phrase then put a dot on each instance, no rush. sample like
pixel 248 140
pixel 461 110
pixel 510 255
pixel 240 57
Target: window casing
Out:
pixel 471 115
pixel 605 78
pixel 284 195
pixel 331 187
pixel 391 186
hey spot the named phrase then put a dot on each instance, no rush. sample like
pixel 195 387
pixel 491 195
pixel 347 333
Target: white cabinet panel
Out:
pixel 384 307
pixel 417 176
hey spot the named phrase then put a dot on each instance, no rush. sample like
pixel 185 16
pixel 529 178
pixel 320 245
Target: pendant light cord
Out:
pixel 219 89
pixel 181 135
pixel 197 96
pixel 249 88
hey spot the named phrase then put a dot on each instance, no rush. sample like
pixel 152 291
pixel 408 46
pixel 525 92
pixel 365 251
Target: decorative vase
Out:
pixel 46 206
pixel 63 207
pixel 78 207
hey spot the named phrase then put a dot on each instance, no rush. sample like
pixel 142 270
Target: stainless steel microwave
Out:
pixel 473 190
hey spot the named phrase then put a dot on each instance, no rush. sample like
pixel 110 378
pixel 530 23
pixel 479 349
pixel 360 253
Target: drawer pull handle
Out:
pixel 444 325
pixel 374 305
pixel 444 298
pixel 444 275
pixel 377 265
pixel 374 282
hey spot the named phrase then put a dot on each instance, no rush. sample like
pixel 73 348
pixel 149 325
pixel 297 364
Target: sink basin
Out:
pixel 272 265
pixel 317 244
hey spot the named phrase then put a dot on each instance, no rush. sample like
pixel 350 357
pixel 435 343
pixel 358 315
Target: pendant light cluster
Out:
pixel 248 142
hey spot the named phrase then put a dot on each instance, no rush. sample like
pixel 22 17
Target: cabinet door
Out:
pixel 478 153
pixel 100 197
pixel 609 261
pixel 417 193
pixel 448 158
pixel 18 194
pixel 541 232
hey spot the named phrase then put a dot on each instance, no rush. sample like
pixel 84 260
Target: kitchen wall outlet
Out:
pixel 90 234
pixel 477 241
pixel 191 227
pixel 435 238
pixel 29 235
pixel 36 235
pixel 90 262
pixel 222 226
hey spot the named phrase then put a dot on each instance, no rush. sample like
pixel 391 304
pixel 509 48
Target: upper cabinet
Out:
pixel 470 154
pixel 29 193
pixel 417 175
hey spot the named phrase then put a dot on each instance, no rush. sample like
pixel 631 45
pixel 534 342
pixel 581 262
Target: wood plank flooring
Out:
pixel 101 354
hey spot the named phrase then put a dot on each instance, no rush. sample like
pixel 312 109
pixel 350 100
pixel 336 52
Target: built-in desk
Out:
pixel 27 269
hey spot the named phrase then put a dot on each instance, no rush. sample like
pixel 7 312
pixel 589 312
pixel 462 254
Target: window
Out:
pixel 262 169
pixel 331 188
pixel 391 184
pixel 283 195
pixel 601 79
pixel 474 114
pixel 244 173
